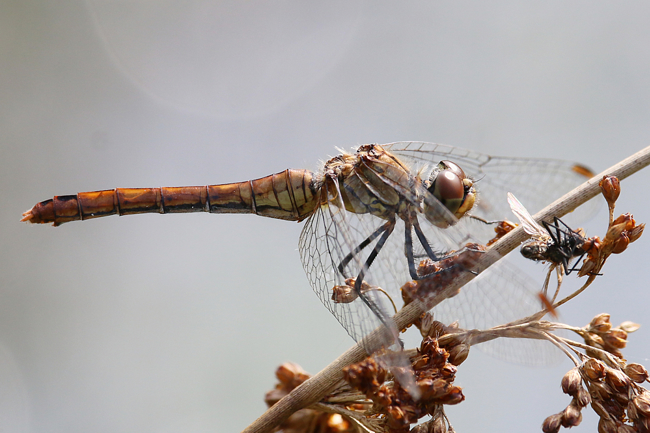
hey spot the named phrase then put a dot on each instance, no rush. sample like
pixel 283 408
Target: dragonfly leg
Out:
pixel 484 221
pixel 387 229
pixel 423 240
pixel 362 245
pixel 408 246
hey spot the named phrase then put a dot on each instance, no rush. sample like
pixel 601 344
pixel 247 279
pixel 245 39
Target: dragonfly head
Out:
pixel 449 184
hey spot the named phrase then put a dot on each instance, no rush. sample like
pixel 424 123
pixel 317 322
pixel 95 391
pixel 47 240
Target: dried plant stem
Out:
pixel 322 383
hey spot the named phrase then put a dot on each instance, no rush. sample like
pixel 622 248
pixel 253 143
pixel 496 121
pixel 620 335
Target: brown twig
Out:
pixel 322 383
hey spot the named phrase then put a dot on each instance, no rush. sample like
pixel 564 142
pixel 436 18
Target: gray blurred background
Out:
pixel 177 323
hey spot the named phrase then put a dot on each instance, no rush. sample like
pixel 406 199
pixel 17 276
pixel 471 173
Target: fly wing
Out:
pixel 536 181
pixel 525 218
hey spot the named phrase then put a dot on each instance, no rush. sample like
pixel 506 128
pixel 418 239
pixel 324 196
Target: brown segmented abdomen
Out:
pixel 288 195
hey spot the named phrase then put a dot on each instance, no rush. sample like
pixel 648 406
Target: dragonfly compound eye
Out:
pixel 448 187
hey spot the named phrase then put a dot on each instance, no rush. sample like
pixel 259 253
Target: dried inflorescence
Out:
pixel 434 377
pixel 620 233
pixel 600 334
pixel 291 375
pixel 607 383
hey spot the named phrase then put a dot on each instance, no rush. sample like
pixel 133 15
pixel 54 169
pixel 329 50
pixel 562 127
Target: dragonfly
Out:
pixel 370 215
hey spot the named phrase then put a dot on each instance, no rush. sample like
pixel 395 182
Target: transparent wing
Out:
pixel 525 218
pixel 332 234
pixel 535 181
pixel 327 239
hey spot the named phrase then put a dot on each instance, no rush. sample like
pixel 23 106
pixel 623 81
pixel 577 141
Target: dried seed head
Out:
pixel 629 327
pixel 616 338
pixel 621 243
pixel 636 232
pixel 366 376
pixel 425 324
pixel 396 418
pixel 571 416
pixel 611 188
pixel 274 395
pixel 454 396
pixel 582 397
pixel 336 423
pixel 291 375
pixel 599 409
pixel 593 369
pixel 624 428
pixel 600 323
pixel 438 425
pixel 625 220
pixel 616 379
pixel 642 404
pixel 459 353
pixel 344 294
pixel 571 382
pixel 435 425
pixel 552 423
pixel 642 424
pixel 437 329
pixel 636 372
pixel 433 388
pixel 606 425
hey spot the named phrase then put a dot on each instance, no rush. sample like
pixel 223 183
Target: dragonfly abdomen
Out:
pixel 288 195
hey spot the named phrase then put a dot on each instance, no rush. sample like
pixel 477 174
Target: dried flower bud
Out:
pixel 624 428
pixel 599 409
pixel 438 425
pixel 291 374
pixel 454 396
pixel 594 369
pixel 274 395
pixel 636 232
pixel 435 425
pixel 459 353
pixel 432 388
pixel 629 327
pixel 616 379
pixel 595 340
pixel 611 188
pixel 425 323
pixel 571 382
pixel 571 416
pixel 552 423
pixel 616 338
pixel 636 372
pixel 587 268
pixel 626 220
pixel 600 323
pixel 437 329
pixel 344 294
pixel 642 403
pixel 396 418
pixel 337 423
pixel 606 425
pixel 621 243
pixel 642 424
pixel 582 397
pixel 631 410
